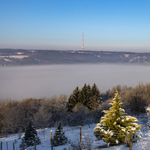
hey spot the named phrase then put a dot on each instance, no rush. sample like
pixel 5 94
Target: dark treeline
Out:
pixel 83 106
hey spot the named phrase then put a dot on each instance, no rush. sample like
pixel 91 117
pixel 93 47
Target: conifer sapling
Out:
pixel 31 137
pixel 59 137
pixel 115 125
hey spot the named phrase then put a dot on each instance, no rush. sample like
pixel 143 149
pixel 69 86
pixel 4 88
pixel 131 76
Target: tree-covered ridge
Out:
pixel 41 57
pixel 89 97
pixel 115 125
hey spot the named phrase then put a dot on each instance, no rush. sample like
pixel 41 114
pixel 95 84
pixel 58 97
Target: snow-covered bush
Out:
pixel 115 125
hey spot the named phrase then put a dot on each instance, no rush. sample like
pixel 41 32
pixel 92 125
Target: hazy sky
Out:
pixel 121 25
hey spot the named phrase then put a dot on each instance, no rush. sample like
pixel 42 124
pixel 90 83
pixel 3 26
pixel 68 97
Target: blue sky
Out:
pixel 114 25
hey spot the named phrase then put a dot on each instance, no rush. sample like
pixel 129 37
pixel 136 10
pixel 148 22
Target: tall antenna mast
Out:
pixel 82 40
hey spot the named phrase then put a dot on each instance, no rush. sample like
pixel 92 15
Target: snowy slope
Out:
pixel 73 134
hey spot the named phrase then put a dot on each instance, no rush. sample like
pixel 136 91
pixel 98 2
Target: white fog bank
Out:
pixel 47 81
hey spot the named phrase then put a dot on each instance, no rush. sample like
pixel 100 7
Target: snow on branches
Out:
pixel 115 125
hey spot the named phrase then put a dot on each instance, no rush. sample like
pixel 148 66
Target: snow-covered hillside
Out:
pixel 73 134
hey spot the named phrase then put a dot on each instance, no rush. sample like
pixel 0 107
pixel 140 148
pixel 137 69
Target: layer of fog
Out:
pixel 47 81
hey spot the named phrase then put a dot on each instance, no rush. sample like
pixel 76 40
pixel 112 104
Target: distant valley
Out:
pixel 15 57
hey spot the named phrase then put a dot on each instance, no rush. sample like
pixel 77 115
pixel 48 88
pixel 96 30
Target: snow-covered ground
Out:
pixel 73 134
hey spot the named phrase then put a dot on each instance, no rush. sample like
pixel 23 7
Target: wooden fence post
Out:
pixel 1 145
pixel 80 139
pixel 131 138
pixel 34 143
pixel 34 146
pixel 7 145
pixel 13 146
pixel 51 140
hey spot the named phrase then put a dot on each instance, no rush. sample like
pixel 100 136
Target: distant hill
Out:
pixel 13 57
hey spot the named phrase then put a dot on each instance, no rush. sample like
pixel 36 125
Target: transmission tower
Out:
pixel 82 40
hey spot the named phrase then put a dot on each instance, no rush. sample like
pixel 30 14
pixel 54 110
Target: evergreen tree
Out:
pixel 31 137
pixel 115 125
pixel 83 95
pixel 59 137
pixel 73 99
pixel 89 97
pixel 95 91
pixel 89 91
pixel 88 101
pixel 94 98
pixel 92 103
pixel 84 89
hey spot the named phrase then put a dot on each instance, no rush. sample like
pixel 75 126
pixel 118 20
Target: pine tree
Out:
pixel 31 137
pixel 89 97
pixel 89 92
pixel 86 95
pixel 83 95
pixel 59 137
pixel 73 99
pixel 95 91
pixel 94 99
pixel 115 125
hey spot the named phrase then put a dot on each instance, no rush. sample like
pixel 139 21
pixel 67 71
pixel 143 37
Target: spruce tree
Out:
pixel 31 137
pixel 59 137
pixel 95 91
pixel 115 125
pixel 95 99
pixel 73 99
pixel 89 91
pixel 86 95
pixel 84 89
pixel 89 97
